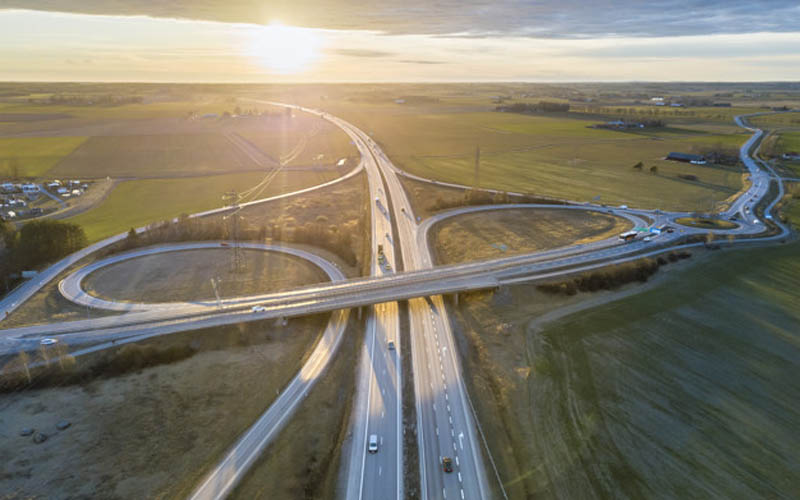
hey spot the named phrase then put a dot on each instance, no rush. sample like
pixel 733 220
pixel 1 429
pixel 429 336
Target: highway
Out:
pixel 378 400
pixel 446 425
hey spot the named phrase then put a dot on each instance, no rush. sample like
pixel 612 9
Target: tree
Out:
pixel 133 239
pixel 46 240
pixel 654 170
pixel 638 166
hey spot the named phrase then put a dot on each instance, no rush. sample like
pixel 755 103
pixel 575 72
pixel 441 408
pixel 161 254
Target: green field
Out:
pixel 154 156
pixel 141 202
pixel 776 120
pixel 555 156
pixel 686 390
pixel 34 156
pixel 789 141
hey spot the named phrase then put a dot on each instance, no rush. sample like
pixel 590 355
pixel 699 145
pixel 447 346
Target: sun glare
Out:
pixel 285 49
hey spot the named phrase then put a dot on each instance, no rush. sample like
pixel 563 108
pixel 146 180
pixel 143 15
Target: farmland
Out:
pixel 556 156
pixel 34 156
pixel 154 156
pixel 687 387
pixel 501 233
pixel 141 202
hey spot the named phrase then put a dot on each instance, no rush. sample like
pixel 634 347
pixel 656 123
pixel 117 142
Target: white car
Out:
pixel 647 238
pixel 372 447
pixel 48 341
pixel 258 309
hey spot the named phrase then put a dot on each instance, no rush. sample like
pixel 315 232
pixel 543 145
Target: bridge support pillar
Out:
pixel 284 321
pixel 360 312
pixel 455 298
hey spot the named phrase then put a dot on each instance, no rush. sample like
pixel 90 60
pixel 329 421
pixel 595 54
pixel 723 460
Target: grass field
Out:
pixel 141 202
pixel 706 223
pixel 789 141
pixel 34 156
pixel 686 390
pixel 186 276
pixel 154 156
pixel 502 233
pixel 153 432
pixel 555 156
pixel 776 120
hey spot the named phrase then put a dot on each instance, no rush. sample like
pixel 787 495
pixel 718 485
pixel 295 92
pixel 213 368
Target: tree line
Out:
pixel 541 106
pixel 39 242
pixel 612 277
pixel 317 233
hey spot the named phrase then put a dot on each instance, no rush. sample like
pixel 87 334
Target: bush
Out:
pixel 612 277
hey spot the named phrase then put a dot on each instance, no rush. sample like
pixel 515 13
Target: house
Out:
pixel 791 155
pixel 687 158
pixel 8 187
pixel 62 190
pixel 31 190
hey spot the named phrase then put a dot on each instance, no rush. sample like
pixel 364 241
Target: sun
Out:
pixel 285 49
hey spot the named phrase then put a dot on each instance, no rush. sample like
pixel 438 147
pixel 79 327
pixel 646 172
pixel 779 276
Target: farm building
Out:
pixel 687 158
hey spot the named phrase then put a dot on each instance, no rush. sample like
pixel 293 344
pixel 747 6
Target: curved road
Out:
pixel 23 292
pixel 71 286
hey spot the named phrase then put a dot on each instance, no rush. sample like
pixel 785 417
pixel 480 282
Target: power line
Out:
pixel 231 199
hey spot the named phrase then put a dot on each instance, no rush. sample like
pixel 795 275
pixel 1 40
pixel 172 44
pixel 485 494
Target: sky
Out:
pixel 412 40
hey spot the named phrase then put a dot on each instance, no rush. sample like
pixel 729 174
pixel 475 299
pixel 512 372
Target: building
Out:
pixel 792 155
pixel 687 158
pixel 31 191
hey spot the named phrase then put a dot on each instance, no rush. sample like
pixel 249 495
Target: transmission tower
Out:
pixel 231 199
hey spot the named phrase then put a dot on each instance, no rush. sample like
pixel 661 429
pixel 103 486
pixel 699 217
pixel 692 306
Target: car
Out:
pixel 372 446
pixel 647 238
pixel 403 209
pixel 391 345
pixel 48 341
pixel 258 309
pixel 447 464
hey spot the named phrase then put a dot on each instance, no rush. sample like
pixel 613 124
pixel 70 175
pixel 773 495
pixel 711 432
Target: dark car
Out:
pixel 447 464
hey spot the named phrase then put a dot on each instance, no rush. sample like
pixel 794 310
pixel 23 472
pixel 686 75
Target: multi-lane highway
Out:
pixel 445 424
pixel 378 402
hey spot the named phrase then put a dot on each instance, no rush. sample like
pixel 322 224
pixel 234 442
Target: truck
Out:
pixel 628 236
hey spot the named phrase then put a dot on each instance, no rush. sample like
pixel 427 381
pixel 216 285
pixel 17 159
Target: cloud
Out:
pixel 363 53
pixel 420 61
pixel 469 18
